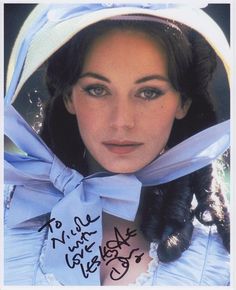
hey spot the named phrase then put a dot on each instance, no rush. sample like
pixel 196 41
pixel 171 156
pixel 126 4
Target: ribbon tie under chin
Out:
pixel 75 227
pixel 45 184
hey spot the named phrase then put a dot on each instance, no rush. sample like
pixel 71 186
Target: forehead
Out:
pixel 126 31
pixel 123 48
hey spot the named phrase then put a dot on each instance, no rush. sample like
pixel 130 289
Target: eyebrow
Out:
pixel 152 77
pixel 142 80
pixel 95 75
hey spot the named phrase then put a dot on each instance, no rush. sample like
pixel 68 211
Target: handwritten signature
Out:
pixel 84 243
pixel 110 253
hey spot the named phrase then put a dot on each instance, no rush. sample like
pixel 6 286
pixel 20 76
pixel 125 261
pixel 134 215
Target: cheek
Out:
pixel 85 121
pixel 162 117
pixel 90 123
pixel 161 122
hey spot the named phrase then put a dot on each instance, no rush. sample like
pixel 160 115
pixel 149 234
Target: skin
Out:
pixel 123 101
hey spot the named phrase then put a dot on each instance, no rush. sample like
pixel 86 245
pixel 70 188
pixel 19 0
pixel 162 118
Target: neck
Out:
pixel 93 165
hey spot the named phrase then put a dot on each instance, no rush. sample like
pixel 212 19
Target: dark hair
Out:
pixel 166 209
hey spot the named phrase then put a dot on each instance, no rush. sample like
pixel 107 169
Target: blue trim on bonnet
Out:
pixel 57 13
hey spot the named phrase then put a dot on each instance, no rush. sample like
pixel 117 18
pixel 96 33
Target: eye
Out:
pixel 96 90
pixel 150 93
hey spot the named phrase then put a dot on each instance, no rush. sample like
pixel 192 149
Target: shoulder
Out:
pixel 206 262
pixel 22 247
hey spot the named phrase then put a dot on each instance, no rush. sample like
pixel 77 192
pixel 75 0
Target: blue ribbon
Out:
pixel 56 13
pixel 41 168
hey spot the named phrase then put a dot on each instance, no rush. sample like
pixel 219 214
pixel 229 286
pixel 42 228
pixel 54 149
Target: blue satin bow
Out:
pixel 45 184
pixel 41 171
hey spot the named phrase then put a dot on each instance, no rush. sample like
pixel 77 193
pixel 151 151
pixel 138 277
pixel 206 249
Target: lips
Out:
pixel 122 147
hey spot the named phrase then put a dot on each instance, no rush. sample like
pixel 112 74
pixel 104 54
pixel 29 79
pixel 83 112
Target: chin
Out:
pixel 123 169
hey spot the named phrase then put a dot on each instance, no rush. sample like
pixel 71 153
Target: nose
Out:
pixel 122 114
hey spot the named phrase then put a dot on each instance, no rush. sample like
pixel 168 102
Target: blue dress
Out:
pixel 206 262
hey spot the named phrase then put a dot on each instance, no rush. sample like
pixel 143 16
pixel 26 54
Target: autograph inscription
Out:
pixel 110 253
pixel 83 244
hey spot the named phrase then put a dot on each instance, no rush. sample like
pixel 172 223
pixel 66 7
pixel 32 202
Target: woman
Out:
pixel 124 91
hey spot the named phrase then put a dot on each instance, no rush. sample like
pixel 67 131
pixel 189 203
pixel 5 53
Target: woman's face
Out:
pixel 123 101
